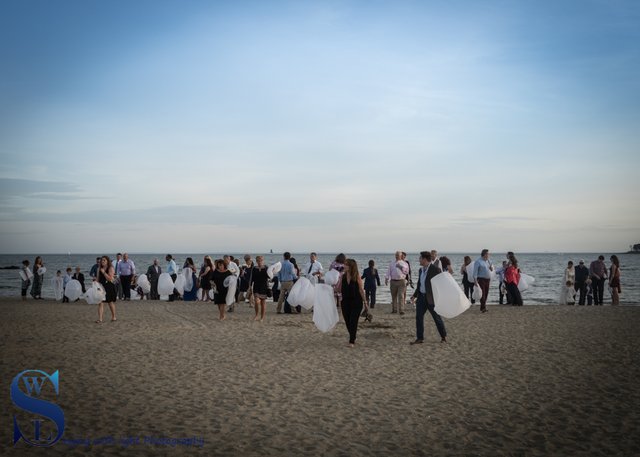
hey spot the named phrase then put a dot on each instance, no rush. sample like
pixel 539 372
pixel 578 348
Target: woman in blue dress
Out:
pixel 190 295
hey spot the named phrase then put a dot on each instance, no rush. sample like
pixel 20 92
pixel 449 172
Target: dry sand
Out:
pixel 536 380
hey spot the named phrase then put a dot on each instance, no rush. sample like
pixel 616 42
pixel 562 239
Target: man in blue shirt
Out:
pixel 126 270
pixel 172 269
pixel 482 272
pixel 94 269
pixel 286 276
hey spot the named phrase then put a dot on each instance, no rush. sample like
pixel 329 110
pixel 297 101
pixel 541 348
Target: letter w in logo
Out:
pixel 35 384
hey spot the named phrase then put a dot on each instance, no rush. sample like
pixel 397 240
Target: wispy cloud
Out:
pixel 53 190
pixel 271 218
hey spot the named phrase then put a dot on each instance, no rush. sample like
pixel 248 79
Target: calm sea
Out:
pixel 547 268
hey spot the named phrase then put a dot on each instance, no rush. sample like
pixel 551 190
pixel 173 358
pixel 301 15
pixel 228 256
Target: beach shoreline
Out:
pixel 537 380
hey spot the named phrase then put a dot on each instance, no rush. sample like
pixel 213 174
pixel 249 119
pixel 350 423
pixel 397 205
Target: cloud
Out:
pixel 54 196
pixel 16 187
pixel 270 217
pixel 495 221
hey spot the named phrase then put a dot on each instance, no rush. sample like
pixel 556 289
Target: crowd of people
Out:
pixel 354 291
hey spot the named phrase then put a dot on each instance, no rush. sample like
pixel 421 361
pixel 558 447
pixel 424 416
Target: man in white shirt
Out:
pixel 423 295
pixel 231 265
pixel 435 260
pixel 397 276
pixel 172 269
pixel 116 269
pixel 313 270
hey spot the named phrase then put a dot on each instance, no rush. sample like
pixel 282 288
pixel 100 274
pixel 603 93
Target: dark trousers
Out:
pixel 351 313
pixel 484 285
pixel 154 295
pixel 582 288
pixel 119 288
pixel 371 296
pixel 514 292
pixel 598 291
pixel 501 294
pixel 125 281
pixel 421 309
pixel 468 290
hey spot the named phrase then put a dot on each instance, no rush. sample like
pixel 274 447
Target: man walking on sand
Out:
pixel 313 270
pixel 424 297
pixel 482 272
pixel 127 271
pixel 116 269
pixel 286 276
pixel 397 276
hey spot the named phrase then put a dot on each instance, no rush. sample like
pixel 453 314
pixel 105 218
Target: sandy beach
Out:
pixel 538 380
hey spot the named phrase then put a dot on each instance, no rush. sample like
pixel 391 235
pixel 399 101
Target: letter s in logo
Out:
pixel 34 380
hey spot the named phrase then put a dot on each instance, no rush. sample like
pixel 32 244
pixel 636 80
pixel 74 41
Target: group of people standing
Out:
pixel 589 283
pixel 479 273
pixel 354 292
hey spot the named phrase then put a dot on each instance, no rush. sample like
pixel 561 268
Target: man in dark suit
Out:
pixel 153 273
pixel 424 296
pixel 582 274
pixel 80 278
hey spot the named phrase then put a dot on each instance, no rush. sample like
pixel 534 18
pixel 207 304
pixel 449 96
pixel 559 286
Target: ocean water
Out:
pixel 548 269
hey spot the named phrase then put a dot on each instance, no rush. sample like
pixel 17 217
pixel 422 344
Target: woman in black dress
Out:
pixel 259 285
pixel 38 279
pixel 353 297
pixel 220 297
pixel 205 278
pixel 106 275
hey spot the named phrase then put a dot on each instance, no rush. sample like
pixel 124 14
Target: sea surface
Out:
pixel 547 269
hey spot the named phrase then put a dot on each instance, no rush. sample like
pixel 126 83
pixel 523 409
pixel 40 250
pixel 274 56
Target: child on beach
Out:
pixel 25 277
pixel 589 293
pixel 568 294
pixel 57 283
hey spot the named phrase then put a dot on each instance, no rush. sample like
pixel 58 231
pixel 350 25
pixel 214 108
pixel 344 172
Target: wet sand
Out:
pixel 536 380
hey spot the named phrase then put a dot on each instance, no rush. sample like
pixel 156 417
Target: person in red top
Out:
pixel 511 279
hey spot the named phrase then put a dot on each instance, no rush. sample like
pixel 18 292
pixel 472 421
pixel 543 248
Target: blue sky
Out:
pixel 330 126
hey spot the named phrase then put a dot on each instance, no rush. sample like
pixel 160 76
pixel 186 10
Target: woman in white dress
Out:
pixel 567 292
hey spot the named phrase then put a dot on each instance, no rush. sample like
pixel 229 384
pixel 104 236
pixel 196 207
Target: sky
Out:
pixel 355 126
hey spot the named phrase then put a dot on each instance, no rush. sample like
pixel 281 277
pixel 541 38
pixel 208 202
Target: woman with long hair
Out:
pixel 468 285
pixel 353 298
pixel 511 280
pixel 259 286
pixel 190 268
pixel 614 280
pixel 205 278
pixel 38 278
pixel 445 264
pixel 220 297
pixel 106 276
